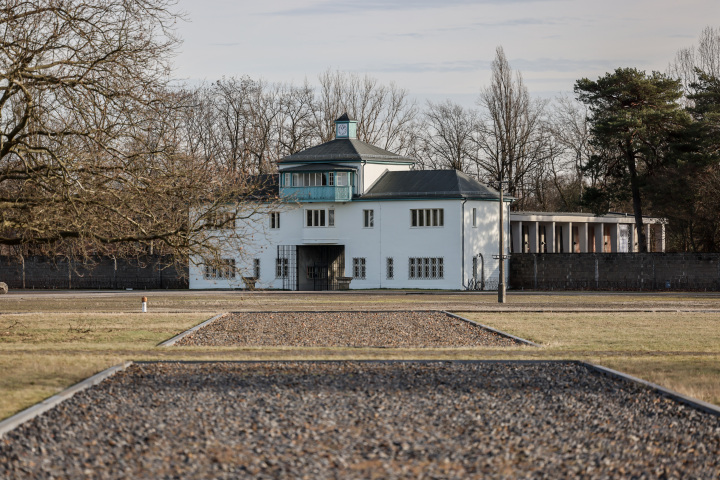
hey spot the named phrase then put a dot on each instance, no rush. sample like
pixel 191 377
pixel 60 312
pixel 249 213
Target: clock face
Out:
pixel 342 130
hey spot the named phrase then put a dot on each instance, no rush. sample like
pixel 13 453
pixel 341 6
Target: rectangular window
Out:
pixel 474 217
pixel 256 267
pixel 426 268
pixel 282 267
pixel 342 179
pixel 331 179
pixel 368 218
pixel 389 268
pixel 320 218
pixel 359 268
pixel 311 179
pixel 427 217
pixel 274 220
pixel 288 180
pixel 224 269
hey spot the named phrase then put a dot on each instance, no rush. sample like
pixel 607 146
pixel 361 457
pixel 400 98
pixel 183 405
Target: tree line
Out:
pixel 100 152
pixel 630 141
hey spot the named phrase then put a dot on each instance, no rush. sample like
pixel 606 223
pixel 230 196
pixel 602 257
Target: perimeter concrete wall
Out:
pixel 40 272
pixel 615 271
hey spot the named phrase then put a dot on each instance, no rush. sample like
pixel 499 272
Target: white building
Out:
pixel 351 209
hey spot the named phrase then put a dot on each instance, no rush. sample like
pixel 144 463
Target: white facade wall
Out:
pixel 391 236
pixel 483 240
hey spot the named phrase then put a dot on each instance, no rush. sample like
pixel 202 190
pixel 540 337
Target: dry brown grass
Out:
pixel 223 301
pixel 55 340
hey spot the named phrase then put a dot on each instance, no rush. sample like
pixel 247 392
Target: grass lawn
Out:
pixel 48 341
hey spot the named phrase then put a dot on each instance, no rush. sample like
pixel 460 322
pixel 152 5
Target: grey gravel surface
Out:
pixel 409 329
pixel 321 420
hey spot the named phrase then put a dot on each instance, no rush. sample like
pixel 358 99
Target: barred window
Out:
pixel 359 268
pixel 427 217
pixel 390 268
pixel 220 220
pixel 426 268
pixel 282 267
pixel 274 219
pixel 224 269
pixel 368 218
pixel 256 267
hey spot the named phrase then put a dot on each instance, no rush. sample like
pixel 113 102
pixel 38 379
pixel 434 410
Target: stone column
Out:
pixel 599 238
pixel 533 235
pixel 550 237
pixel 659 245
pixel 567 238
pixel 583 234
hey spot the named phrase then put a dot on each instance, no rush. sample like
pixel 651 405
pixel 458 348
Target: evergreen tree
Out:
pixel 634 117
pixel 687 189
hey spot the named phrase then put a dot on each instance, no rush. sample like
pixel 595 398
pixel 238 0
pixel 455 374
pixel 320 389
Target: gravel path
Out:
pixel 408 329
pixel 364 420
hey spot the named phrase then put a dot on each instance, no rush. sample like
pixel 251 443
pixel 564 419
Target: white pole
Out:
pixel 144 304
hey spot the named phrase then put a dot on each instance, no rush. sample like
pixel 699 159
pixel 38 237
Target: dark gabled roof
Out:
pixel 429 184
pixel 345 149
pixel 320 167
pixel 345 118
pixel 262 187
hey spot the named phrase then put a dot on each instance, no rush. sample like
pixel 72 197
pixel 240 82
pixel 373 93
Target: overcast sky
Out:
pixel 436 49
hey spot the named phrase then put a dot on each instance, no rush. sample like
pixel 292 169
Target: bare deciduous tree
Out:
pixel 510 141
pixel 705 58
pixel 89 147
pixel 448 139
pixel 384 113
pixel 295 128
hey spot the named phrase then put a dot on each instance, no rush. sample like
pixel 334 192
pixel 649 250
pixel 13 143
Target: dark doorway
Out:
pixel 319 266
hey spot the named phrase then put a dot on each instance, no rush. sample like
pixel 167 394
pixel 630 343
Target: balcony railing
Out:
pixel 317 194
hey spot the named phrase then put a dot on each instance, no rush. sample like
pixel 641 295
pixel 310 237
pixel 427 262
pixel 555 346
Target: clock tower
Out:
pixel 345 127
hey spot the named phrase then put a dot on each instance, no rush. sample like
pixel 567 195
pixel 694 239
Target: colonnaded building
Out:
pixel 352 213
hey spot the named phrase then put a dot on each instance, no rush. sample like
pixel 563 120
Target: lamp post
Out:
pixel 501 256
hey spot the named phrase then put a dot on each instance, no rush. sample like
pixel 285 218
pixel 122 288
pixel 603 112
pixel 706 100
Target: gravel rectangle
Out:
pixel 365 420
pixel 397 329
